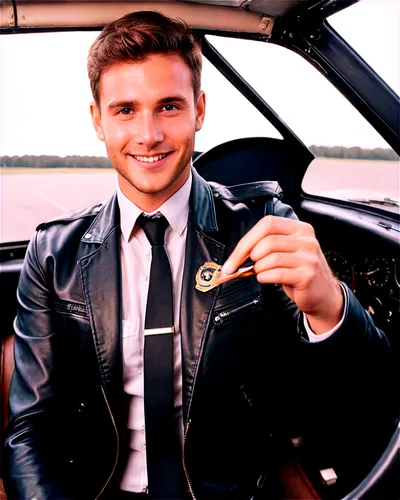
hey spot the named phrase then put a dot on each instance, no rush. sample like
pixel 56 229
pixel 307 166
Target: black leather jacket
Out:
pixel 247 373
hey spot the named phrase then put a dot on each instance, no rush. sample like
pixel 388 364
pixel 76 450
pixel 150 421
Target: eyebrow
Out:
pixel 175 98
pixel 134 103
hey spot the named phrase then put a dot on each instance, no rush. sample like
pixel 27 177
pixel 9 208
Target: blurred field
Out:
pixel 30 196
pixel 370 176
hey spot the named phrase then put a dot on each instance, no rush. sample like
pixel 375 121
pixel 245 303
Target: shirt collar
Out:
pixel 175 210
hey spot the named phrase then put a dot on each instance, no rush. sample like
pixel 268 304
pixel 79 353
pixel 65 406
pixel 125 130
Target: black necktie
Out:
pixel 162 443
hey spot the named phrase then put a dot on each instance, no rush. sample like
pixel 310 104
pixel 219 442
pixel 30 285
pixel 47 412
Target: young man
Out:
pixel 97 378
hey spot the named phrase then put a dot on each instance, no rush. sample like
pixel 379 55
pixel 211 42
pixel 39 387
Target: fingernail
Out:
pixel 227 268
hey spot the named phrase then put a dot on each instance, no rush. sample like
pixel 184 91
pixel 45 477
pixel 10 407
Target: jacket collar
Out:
pixel 106 221
pixel 201 205
pixel 202 208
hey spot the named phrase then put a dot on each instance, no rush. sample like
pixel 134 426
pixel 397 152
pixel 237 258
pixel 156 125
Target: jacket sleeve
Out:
pixel 355 365
pixel 344 388
pixel 34 458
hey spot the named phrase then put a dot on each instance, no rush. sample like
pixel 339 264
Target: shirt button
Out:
pixel 140 372
pixel 143 447
pixel 142 428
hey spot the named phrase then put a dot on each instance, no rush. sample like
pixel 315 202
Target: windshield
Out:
pixel 52 161
pixel 353 162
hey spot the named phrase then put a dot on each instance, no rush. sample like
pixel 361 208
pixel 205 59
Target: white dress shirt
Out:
pixel 135 267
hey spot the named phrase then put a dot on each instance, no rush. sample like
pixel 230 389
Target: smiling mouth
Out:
pixel 150 159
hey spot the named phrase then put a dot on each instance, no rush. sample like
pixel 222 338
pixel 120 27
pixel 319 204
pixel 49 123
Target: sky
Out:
pixel 45 94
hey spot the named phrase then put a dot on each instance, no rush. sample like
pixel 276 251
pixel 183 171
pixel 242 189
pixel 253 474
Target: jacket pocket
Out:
pixel 228 313
pixel 72 308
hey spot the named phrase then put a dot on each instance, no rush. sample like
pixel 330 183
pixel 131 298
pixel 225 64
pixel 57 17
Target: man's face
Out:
pixel 148 117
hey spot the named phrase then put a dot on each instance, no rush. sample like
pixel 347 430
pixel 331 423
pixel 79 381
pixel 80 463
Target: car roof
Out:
pixel 247 16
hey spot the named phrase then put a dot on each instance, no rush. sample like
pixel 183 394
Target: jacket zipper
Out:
pixel 220 317
pixel 71 308
pixel 117 435
pixel 184 462
pixel 189 421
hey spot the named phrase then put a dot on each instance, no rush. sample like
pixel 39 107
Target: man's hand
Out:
pixel 286 251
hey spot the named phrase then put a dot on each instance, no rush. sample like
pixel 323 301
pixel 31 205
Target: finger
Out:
pixel 273 243
pixel 287 243
pixel 280 275
pixel 279 260
pixel 266 226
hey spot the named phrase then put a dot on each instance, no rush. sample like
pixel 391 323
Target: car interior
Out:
pixel 360 241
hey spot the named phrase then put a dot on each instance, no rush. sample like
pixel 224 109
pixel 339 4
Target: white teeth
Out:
pixel 150 159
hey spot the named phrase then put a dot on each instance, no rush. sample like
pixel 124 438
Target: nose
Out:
pixel 148 130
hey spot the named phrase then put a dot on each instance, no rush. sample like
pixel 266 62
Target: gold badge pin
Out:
pixel 206 276
pixel 210 276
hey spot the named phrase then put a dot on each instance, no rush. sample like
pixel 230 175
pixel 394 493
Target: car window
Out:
pixel 52 161
pixel 352 160
pixel 377 37
pixel 229 115
pixel 46 131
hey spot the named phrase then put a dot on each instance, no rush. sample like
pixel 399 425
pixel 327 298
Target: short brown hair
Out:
pixel 136 36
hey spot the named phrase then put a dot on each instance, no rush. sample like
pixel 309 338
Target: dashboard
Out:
pixel 375 280
pixel 364 253
pixel 378 272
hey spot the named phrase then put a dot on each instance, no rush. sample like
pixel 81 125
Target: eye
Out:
pixel 170 107
pixel 125 111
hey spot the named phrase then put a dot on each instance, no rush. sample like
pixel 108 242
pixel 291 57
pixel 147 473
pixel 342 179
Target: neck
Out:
pixel 151 201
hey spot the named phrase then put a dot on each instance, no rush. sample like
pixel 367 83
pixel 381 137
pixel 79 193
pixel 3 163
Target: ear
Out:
pixel 96 120
pixel 200 110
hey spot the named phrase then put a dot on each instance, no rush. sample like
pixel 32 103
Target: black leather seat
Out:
pixel 256 159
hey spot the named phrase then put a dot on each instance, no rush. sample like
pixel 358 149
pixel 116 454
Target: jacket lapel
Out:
pixel 100 273
pixel 196 306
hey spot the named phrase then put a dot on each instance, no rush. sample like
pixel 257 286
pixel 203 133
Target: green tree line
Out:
pixel 354 153
pixel 44 161
pixel 75 161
